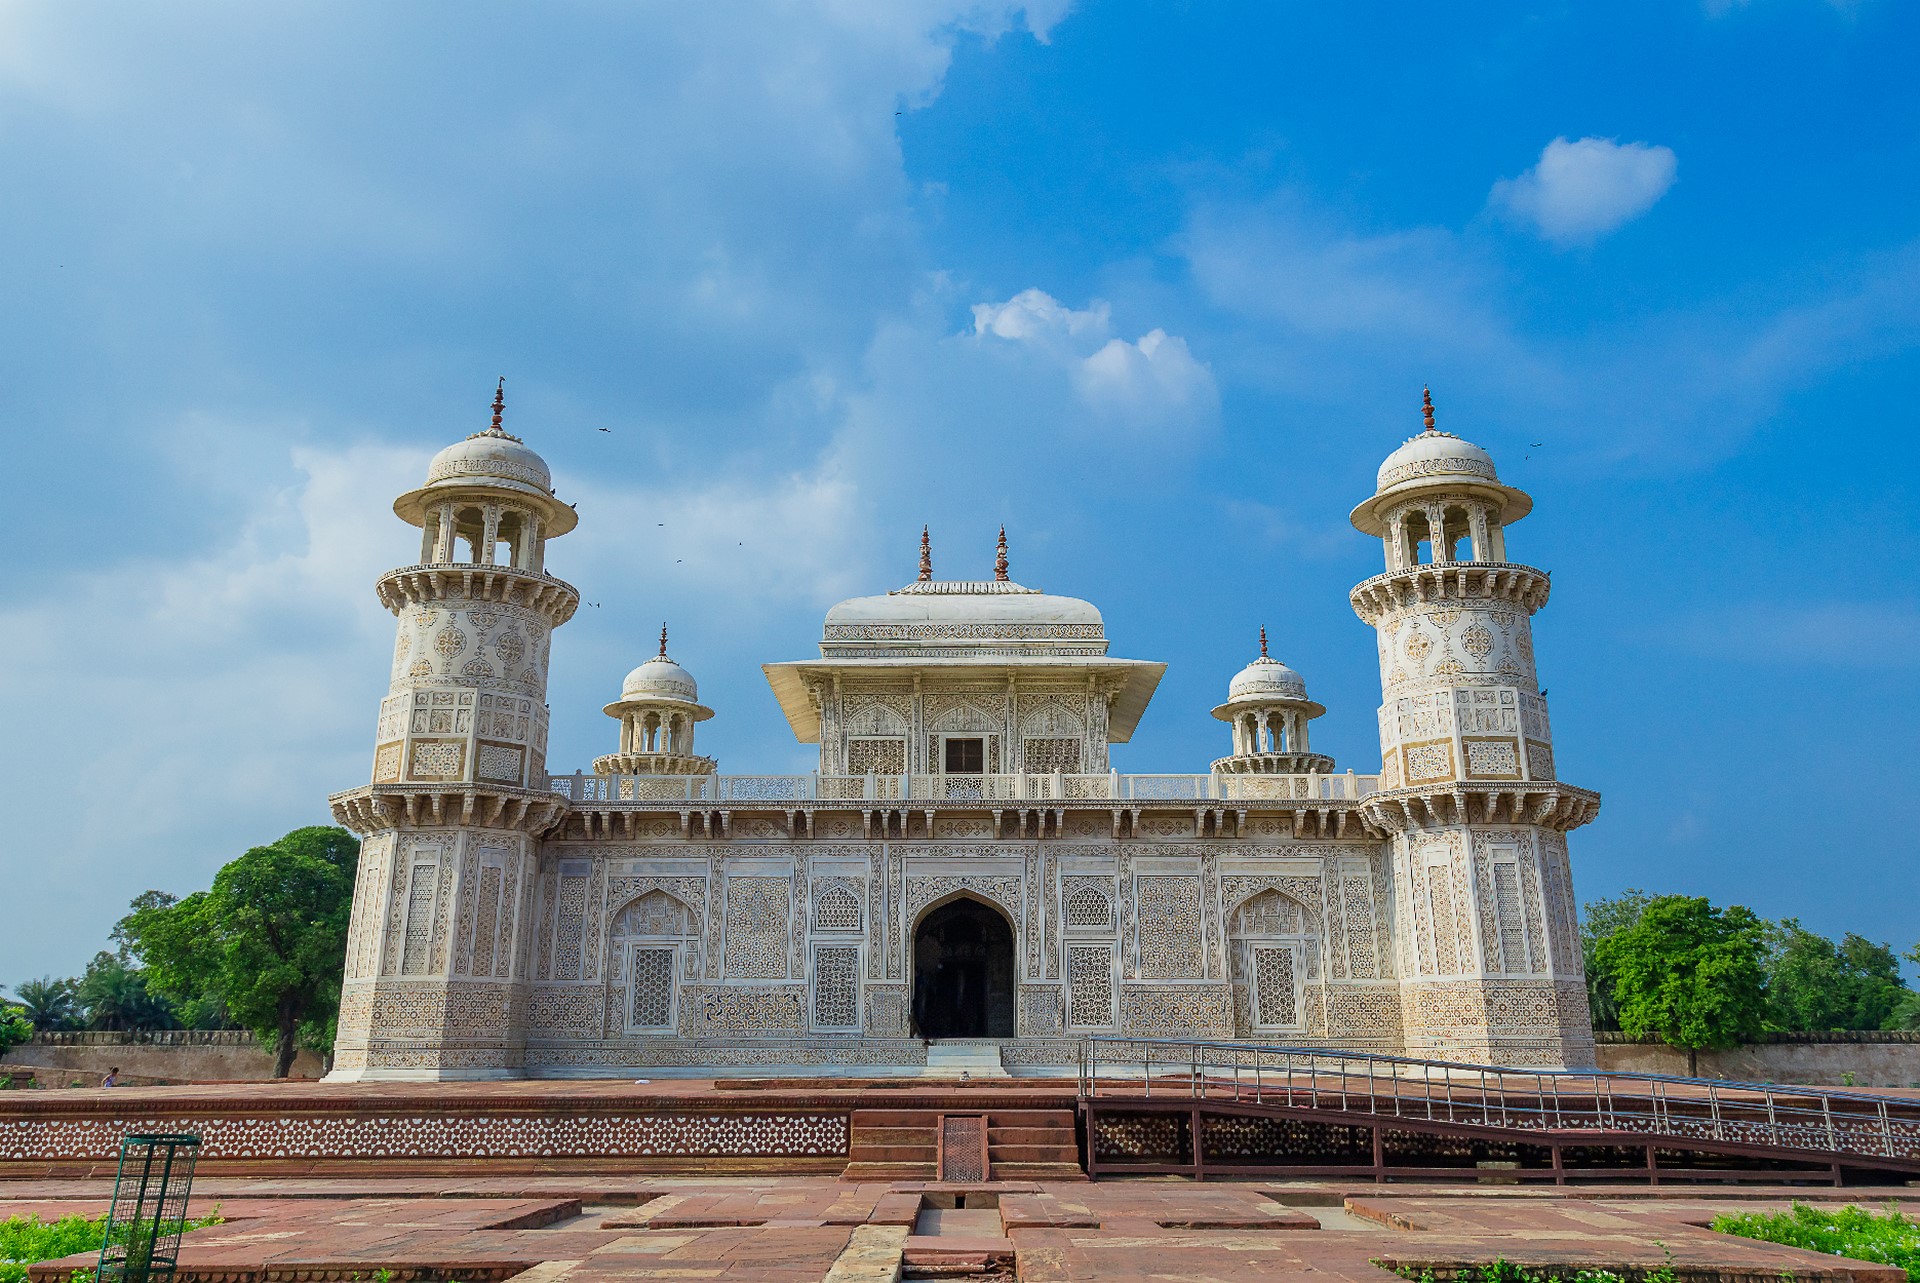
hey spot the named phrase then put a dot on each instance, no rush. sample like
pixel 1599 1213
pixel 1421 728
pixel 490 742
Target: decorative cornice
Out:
pixel 962 588
pixel 1546 804
pixel 1274 764
pixel 414 585
pixel 1523 587
pixel 376 808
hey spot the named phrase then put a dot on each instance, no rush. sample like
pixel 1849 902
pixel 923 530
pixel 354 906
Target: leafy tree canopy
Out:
pixel 1688 973
pixel 1817 984
pixel 1600 919
pixel 15 1028
pixel 115 994
pixel 1907 1014
pixel 48 1003
pixel 266 941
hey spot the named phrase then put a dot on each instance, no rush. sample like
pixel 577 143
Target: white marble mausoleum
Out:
pixel 964 864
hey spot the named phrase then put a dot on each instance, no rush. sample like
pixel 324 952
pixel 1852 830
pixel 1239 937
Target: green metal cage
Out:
pixel 149 1212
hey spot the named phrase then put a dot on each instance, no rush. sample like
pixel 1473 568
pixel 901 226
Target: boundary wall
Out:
pixel 167 1055
pixel 1873 1058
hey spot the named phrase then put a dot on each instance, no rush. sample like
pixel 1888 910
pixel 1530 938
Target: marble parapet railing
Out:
pixel 581 787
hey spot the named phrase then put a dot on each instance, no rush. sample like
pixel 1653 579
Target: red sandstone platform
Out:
pixel 733 1126
pixel 588 1229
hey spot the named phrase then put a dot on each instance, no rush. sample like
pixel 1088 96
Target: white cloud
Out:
pixel 1148 383
pixel 1152 380
pixel 658 221
pixel 193 707
pixel 1323 313
pixel 759 542
pixel 1036 315
pixel 1579 191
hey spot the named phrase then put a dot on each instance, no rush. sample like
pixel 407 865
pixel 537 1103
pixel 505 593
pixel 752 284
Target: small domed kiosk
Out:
pixel 1268 708
pixel 658 706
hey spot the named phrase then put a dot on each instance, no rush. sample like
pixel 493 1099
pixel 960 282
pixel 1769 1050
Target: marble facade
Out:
pixel 964 863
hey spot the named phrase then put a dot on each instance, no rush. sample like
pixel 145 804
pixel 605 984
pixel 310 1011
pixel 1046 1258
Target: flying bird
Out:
pixel 606 429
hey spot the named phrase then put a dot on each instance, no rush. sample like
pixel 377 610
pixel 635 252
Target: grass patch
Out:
pixel 1505 1271
pixel 26 1240
pixel 1885 1238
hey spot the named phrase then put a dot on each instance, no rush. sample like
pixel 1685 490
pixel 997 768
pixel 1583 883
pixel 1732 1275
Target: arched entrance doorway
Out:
pixel 963 972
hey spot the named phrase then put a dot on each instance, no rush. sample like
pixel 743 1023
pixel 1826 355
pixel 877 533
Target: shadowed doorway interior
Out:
pixel 963 975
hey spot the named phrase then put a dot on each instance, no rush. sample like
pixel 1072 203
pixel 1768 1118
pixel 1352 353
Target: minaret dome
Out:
pixel 1438 499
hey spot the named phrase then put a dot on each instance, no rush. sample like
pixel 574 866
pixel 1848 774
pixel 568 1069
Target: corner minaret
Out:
pixel 434 983
pixel 1488 948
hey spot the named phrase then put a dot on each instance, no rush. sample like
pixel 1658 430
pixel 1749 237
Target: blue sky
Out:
pixel 1155 285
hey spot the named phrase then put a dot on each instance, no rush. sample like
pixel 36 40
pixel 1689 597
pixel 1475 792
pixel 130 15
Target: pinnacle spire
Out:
pixel 926 555
pixel 1263 641
pixel 1426 407
pixel 499 406
pixel 1000 558
pixel 663 641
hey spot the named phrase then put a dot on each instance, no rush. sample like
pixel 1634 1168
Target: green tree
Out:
pixel 48 1002
pixel 267 942
pixel 114 994
pixel 15 1028
pixel 1907 1014
pixel 1815 985
pixel 1690 974
pixel 1600 919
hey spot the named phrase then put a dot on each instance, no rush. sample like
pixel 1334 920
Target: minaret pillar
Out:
pixel 1486 940
pixel 435 984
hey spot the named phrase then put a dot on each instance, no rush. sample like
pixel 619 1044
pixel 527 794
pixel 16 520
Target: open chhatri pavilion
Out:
pixel 964 880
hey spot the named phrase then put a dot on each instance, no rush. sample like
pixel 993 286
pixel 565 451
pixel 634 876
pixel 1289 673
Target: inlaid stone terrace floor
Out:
pixel 610 1228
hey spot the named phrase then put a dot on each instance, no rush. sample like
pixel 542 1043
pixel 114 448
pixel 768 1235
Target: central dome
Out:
pixel 991 617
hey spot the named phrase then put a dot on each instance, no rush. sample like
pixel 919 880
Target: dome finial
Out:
pixel 1263 641
pixel 1000 558
pixel 499 406
pixel 663 641
pixel 1426 406
pixel 926 555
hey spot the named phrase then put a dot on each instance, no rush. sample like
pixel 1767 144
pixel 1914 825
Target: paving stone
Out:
pixel 804 1230
pixel 873 1255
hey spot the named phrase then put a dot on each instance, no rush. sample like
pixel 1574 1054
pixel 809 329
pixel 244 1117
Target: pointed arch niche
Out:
pixel 649 945
pixel 1272 942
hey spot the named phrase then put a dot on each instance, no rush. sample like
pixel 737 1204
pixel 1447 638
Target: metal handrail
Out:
pixel 1802 1118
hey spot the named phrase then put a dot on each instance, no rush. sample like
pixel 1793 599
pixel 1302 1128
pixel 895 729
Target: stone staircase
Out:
pixel 964 1060
pixel 904 1144
pixel 1033 1145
